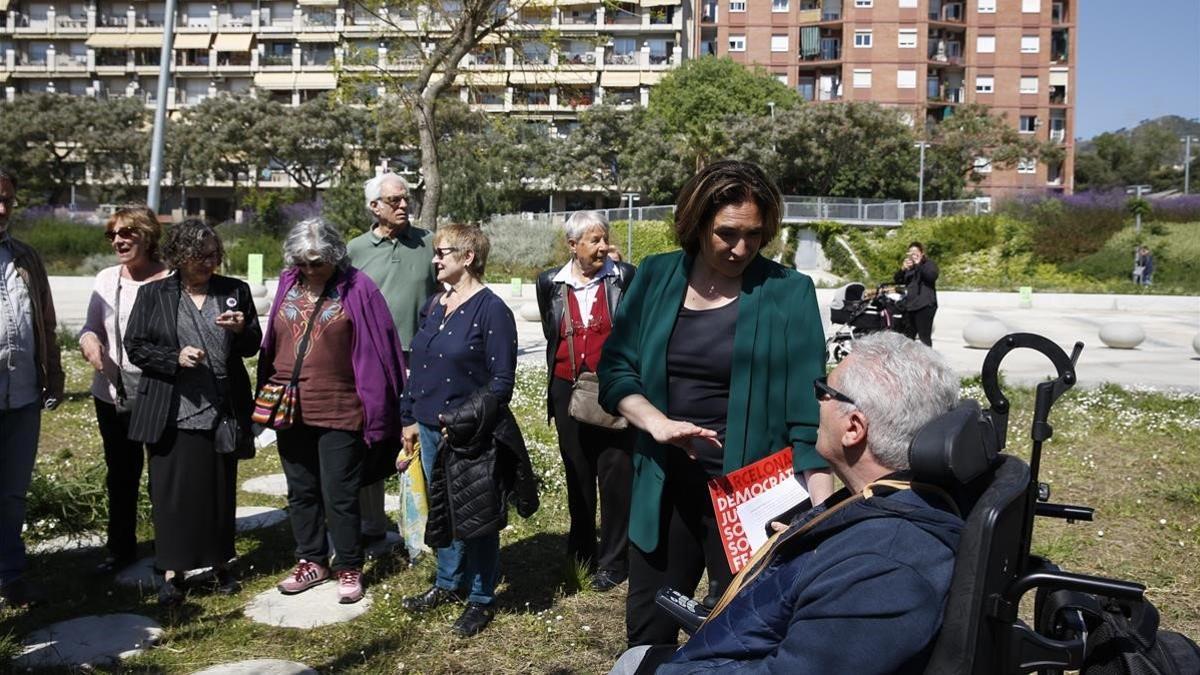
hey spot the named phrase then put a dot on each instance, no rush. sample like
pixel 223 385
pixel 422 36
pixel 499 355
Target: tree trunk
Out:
pixel 430 169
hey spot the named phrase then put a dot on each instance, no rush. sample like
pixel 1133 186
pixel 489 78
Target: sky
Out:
pixel 1138 59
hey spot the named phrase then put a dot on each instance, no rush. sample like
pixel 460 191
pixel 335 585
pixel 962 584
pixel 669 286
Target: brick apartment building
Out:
pixel 925 56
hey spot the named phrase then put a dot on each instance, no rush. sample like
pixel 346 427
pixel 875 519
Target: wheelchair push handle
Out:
pixel 1064 366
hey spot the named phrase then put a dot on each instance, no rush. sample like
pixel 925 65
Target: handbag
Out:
pixel 228 434
pixel 275 404
pixel 584 405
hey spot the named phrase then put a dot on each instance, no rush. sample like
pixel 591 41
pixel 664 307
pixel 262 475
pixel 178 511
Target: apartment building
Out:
pixel 925 56
pixel 554 58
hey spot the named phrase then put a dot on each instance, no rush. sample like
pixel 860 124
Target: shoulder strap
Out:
pixel 120 383
pixel 570 332
pixel 302 350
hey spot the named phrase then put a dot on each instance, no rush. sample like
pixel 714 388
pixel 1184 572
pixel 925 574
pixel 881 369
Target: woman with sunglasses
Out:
pixel 189 333
pixel 464 359
pixel 329 335
pixel 133 233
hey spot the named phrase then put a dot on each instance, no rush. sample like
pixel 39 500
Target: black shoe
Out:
pixel 474 618
pixel 169 594
pixel 606 580
pixel 436 596
pixel 113 564
pixel 227 583
pixel 20 592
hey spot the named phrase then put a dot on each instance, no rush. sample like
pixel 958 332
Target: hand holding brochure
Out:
pixel 746 500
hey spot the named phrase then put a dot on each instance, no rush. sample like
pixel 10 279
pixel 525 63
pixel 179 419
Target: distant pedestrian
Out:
pixel 919 275
pixel 31 378
pixel 1143 266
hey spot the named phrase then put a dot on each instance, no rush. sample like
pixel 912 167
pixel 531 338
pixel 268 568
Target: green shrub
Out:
pixel 523 248
pixel 63 244
pixel 240 244
pixel 650 237
pixel 1176 249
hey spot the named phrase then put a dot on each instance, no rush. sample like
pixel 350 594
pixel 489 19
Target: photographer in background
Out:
pixel 918 275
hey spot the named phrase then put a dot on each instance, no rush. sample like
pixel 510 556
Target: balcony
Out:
pixel 948 13
pixel 578 18
pixel 71 23
pixel 626 59
pixel 231 21
pixel 275 60
pixel 578 58
pixel 624 14
pixel 828 49
pixel 70 61
pixel 1059 47
pixel 1058 94
pixel 938 93
pixel 708 12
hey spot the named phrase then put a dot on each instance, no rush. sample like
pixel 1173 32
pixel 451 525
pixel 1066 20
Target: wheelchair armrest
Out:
pixel 1053 580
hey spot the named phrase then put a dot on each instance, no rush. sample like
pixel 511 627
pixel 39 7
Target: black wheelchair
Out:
pixel 982 632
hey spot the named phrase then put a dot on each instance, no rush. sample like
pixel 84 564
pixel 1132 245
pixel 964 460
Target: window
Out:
pixel 781 78
pixel 906 79
pixel 862 38
pixel 862 78
pixel 1029 85
pixel 737 43
pixel 985 84
pixel 907 3
pixel 1026 165
pixel 987 7
pixel 1030 44
pixel 864 3
pixel 907 38
pixel 1031 6
pixel 985 44
pixel 982 165
pixel 737 5
pixel 779 43
pixel 1028 124
pixel 779 5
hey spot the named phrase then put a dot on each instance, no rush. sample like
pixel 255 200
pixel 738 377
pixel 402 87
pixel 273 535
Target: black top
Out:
pixel 699 368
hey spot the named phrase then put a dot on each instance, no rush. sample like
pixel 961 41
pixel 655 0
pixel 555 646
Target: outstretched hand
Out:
pixel 685 435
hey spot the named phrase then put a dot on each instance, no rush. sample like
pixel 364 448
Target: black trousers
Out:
pixel 193 490
pixel 688 545
pixel 918 323
pixel 595 457
pixel 324 469
pixel 124 460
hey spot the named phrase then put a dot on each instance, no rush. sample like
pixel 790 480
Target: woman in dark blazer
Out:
pixel 189 333
pixel 712 358
pixel 586 292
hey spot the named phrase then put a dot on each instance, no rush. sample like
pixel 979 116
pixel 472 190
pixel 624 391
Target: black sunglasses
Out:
pixel 823 391
pixel 444 251
pixel 122 232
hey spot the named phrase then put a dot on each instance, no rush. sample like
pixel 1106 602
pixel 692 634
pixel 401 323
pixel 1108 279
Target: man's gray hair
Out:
pixel 373 188
pixel 899 384
pixel 581 221
pixel 315 235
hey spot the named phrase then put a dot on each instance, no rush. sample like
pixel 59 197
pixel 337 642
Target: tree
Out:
pixel 699 98
pixel 973 132
pixel 312 141
pixel 449 30
pixel 219 139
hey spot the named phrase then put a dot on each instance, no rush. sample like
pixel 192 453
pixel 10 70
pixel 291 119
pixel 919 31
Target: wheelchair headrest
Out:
pixel 954 448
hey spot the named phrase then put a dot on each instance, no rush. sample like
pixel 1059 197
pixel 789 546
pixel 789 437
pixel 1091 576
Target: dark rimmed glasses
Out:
pixel 122 232
pixel 824 392
pixel 443 251
pixel 394 201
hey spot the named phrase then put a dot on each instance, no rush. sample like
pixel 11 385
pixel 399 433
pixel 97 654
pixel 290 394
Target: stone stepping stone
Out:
pixel 315 607
pixel 68 542
pixel 141 574
pixel 258 517
pixel 274 484
pixel 89 641
pixel 258 667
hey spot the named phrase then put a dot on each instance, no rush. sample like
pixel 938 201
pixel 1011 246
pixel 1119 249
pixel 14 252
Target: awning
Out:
pixel 275 81
pixel 318 37
pixel 487 79
pixel 1059 78
pixel 144 40
pixel 3 5
pixel 316 81
pixel 490 39
pixel 652 77
pixel 192 40
pixel 660 3
pixel 233 42
pixel 3 77
pixel 567 3
pixel 574 76
pixel 318 3
pixel 107 40
pixel 616 78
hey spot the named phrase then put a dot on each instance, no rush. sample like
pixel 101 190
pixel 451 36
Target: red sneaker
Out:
pixel 350 588
pixel 303 576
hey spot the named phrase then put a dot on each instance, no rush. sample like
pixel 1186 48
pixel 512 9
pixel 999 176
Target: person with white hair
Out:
pixel 398 257
pixel 577 302
pixel 330 377
pixel 859 583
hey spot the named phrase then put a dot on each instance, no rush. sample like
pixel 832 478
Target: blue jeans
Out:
pixel 472 565
pixel 19 431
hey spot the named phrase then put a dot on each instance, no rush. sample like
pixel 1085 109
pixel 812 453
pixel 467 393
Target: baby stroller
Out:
pixel 856 313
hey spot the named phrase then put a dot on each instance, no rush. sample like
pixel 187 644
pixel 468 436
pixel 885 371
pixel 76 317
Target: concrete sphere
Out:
pixel 529 312
pixel 1122 335
pixel 1196 343
pixel 983 333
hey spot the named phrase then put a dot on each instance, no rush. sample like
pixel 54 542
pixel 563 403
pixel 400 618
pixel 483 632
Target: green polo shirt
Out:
pixel 402 267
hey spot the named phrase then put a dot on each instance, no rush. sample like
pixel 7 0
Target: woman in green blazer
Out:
pixel 712 357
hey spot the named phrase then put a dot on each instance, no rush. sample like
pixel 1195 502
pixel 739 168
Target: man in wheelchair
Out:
pixel 858 584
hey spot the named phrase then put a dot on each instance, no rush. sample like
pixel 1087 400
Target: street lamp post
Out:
pixel 632 197
pixel 1187 162
pixel 921 181
pixel 1137 191
pixel 160 108
pixel 771 105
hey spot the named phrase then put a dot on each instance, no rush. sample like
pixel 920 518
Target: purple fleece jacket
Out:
pixel 375 355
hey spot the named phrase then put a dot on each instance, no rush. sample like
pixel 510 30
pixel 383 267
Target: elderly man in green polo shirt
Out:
pixel 398 257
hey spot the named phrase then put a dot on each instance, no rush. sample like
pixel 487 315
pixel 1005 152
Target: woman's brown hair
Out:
pixel 468 237
pixel 142 219
pixel 720 184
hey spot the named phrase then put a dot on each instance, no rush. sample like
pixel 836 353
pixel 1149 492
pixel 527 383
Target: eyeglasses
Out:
pixel 394 200
pixel 310 264
pixel 443 251
pixel 213 258
pixel 122 232
pixel 824 392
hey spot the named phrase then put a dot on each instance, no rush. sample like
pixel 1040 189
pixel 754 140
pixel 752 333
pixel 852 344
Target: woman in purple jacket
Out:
pixel 333 320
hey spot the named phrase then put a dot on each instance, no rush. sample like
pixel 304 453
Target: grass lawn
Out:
pixel 1132 455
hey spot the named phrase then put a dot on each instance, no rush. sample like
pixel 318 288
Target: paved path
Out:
pixel 1165 360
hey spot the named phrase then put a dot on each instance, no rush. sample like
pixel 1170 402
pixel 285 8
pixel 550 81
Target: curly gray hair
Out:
pixel 318 236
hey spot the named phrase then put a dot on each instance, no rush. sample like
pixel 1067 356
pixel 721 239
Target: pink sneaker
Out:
pixel 350 588
pixel 303 576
